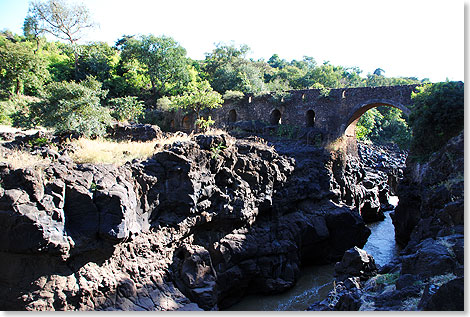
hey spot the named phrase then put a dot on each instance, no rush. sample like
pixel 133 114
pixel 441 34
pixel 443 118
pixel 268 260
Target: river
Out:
pixel 316 281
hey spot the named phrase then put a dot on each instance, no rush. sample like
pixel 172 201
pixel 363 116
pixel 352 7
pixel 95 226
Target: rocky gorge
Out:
pixel 428 274
pixel 205 221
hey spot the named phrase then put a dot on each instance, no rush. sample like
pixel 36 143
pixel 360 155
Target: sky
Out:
pixel 412 38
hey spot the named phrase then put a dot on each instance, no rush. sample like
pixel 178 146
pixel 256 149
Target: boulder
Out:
pixel 135 132
pixel 447 297
pixel 355 262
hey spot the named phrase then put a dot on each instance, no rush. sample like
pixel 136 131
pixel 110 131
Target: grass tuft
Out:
pixel 22 159
pixel 104 151
pixel 118 153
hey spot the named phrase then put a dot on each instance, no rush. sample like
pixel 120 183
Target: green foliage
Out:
pixel 233 95
pixel 384 125
pixel 388 278
pixel 15 110
pixel 20 69
pixel 281 96
pixel 163 60
pixel 38 142
pixel 93 187
pixel 286 131
pixel 204 124
pixel 126 108
pixel 437 116
pixel 73 107
pixel 164 104
pixel 217 149
pixel 97 59
pixel 324 92
pixel 199 96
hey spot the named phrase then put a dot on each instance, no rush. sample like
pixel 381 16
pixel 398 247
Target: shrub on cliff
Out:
pixel 73 108
pixel 126 108
pixel 437 116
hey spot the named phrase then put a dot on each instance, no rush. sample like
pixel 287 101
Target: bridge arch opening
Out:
pixel 358 111
pixel 232 116
pixel 275 118
pixel 310 118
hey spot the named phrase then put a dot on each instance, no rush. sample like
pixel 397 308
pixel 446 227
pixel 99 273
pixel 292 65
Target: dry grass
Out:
pixel 21 159
pixel 96 151
pixel 336 145
pixel 118 153
pixel 103 151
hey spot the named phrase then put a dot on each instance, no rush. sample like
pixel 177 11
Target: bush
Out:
pixel 70 107
pixel 126 108
pixel 15 111
pixel 384 125
pixel 437 116
pixel 233 95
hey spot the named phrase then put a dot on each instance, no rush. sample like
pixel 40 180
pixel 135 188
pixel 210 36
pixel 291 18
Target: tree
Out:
pixel 20 67
pixel 199 96
pixel 71 107
pixel 437 115
pixel 164 60
pixel 379 72
pixel 61 20
pixel 32 31
pixel 126 108
pixel 384 125
pixel 97 59
pixel 276 62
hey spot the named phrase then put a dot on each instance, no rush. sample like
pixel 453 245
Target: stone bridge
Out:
pixel 333 114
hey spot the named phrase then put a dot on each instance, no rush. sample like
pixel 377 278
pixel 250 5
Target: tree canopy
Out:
pixel 149 70
pixel 164 61
pixel 437 116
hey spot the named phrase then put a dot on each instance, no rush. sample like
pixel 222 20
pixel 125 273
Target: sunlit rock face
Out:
pixel 195 226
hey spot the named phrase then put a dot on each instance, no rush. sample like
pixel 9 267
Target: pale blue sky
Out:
pixel 421 38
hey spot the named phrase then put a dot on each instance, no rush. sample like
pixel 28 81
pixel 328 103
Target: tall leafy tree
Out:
pixel 56 17
pixel 164 59
pixel 71 107
pixel 437 116
pixel 199 96
pixel 20 67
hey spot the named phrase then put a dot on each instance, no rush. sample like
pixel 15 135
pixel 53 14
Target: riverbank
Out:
pixel 429 223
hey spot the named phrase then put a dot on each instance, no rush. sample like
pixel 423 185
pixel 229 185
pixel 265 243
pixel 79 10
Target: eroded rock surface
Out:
pixel 429 273
pixel 195 226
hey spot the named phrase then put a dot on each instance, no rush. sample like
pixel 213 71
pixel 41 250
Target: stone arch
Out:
pixel 357 112
pixel 186 122
pixel 275 117
pixel 310 118
pixel 232 116
pixel 172 124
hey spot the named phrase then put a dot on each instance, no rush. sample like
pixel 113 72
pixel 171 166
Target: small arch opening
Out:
pixel 232 116
pixel 304 98
pixel 186 122
pixel 310 118
pixel 275 117
pixel 172 124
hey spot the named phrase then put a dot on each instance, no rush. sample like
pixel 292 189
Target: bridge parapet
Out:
pixel 333 113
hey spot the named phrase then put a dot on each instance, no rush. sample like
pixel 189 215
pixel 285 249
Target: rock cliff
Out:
pixel 195 226
pixel 429 224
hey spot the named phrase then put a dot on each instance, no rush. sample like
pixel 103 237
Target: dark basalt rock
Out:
pixel 191 227
pixel 135 132
pixel 449 296
pixel 357 263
